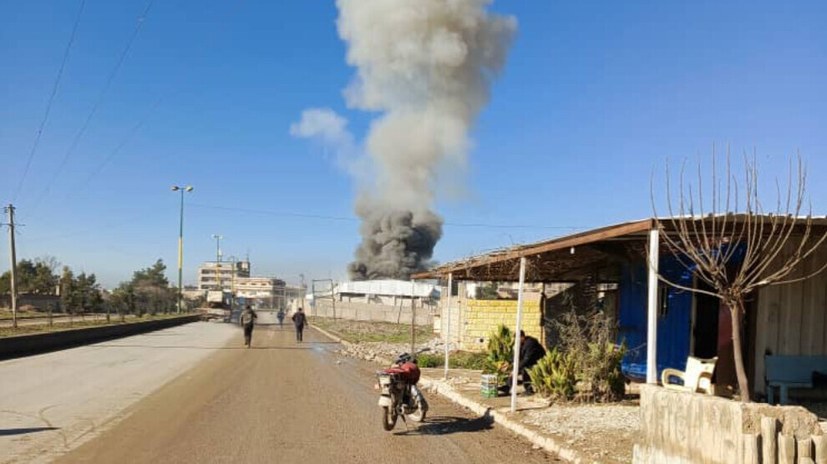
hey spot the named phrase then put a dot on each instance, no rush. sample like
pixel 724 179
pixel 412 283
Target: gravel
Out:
pixel 606 432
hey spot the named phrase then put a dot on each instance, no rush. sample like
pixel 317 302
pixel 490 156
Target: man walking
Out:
pixel 281 318
pixel 299 320
pixel 247 320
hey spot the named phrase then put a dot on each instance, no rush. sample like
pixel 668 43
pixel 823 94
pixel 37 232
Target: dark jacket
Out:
pixel 531 351
pixel 247 317
pixel 299 319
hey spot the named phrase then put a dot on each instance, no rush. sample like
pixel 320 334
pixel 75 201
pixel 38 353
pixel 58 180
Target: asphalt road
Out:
pixel 54 402
pixel 286 402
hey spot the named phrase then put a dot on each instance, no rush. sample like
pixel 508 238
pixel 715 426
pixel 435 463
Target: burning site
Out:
pixel 425 68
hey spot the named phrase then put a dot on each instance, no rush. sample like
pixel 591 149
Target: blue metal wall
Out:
pixel 674 327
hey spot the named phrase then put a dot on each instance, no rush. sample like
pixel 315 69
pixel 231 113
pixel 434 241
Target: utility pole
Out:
pixel 218 239
pixel 413 319
pixel 176 188
pixel 13 255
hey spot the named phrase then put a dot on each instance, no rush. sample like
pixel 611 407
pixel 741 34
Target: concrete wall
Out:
pixel 678 427
pixel 23 345
pixel 370 312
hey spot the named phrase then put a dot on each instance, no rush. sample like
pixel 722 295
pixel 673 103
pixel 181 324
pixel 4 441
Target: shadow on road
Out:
pixel 24 431
pixel 447 425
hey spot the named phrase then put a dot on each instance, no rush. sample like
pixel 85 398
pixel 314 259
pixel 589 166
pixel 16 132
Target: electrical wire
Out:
pixel 110 78
pixel 49 102
pixel 356 219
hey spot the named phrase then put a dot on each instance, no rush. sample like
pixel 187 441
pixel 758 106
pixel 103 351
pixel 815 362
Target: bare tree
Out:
pixel 737 249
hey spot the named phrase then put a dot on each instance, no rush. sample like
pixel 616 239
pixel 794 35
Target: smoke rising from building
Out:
pixel 426 67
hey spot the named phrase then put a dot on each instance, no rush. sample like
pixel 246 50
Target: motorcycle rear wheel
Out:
pixel 421 410
pixel 388 418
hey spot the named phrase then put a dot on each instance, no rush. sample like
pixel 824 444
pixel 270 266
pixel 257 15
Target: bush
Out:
pixel 555 376
pixel 588 344
pixel 500 353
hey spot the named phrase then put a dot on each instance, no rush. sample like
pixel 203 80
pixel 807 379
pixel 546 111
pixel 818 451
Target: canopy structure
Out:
pixel 557 260
pixel 572 257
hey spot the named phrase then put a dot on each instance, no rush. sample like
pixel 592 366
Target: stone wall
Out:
pixel 371 312
pixel 679 427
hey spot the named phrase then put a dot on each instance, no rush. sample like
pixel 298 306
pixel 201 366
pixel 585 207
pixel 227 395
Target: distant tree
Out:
pixel 147 292
pixel 33 277
pixel 489 291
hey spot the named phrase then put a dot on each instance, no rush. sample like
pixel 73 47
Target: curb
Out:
pixel 344 342
pixel 446 391
pixel 544 442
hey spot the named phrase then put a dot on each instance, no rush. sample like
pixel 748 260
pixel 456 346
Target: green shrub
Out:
pixel 500 353
pixel 602 371
pixel 555 376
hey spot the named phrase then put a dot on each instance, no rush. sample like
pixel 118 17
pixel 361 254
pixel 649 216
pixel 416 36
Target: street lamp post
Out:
pixel 218 239
pixel 176 188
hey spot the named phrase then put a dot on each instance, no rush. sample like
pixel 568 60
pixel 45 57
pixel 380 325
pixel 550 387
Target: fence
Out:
pixel 682 428
pixel 371 312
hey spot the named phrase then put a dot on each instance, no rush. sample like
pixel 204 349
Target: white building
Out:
pixel 218 275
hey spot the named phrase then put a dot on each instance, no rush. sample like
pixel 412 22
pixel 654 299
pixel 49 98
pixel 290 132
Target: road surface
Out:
pixel 286 402
pixel 54 402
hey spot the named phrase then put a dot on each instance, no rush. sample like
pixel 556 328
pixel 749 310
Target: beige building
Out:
pixel 218 275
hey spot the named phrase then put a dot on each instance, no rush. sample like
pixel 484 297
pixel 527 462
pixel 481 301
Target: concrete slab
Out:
pixel 52 403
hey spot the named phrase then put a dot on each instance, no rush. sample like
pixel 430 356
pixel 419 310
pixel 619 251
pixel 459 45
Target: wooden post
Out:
pixel 786 449
pixel 446 324
pixel 515 370
pixel 652 305
pixel 805 451
pixel 751 451
pixel 413 319
pixel 769 440
pixel 820 445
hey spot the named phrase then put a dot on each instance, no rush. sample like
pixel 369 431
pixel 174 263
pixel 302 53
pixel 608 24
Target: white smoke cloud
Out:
pixel 330 129
pixel 426 66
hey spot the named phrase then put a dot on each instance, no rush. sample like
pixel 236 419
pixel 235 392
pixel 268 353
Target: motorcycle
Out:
pixel 398 393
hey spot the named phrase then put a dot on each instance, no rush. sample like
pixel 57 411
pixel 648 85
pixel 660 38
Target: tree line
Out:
pixel 147 292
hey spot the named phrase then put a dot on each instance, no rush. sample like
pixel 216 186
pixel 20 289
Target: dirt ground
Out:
pixel 284 401
pixel 604 432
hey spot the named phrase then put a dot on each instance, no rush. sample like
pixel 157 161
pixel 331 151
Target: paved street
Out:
pixel 56 401
pixel 278 402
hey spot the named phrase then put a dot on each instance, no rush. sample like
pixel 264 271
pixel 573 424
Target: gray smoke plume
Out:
pixel 426 66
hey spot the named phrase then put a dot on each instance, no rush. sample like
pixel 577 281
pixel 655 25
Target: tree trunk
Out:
pixel 737 313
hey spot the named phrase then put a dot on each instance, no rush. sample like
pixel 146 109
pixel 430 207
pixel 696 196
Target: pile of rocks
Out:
pixel 385 352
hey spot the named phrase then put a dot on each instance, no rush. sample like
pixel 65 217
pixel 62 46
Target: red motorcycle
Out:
pixel 399 395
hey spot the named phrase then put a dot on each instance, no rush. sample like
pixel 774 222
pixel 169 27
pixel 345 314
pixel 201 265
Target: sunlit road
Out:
pixel 284 402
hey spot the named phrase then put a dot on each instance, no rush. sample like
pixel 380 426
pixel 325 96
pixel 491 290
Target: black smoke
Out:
pixel 395 244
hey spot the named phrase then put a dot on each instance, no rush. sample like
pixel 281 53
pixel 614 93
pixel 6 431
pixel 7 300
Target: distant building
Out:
pixel 218 275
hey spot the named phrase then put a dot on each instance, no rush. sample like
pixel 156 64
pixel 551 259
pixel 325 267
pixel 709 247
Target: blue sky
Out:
pixel 593 98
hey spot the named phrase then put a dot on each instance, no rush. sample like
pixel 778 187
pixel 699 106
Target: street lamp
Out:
pixel 176 188
pixel 218 239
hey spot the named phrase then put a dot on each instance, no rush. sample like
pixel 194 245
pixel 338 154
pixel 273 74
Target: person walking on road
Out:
pixel 247 320
pixel 299 320
pixel 281 317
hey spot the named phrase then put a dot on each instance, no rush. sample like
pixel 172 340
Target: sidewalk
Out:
pixel 577 433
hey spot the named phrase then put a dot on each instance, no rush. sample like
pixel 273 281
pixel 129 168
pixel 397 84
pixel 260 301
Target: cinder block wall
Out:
pixel 481 317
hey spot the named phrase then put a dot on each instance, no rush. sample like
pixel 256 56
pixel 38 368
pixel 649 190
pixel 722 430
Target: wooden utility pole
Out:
pixel 413 319
pixel 13 255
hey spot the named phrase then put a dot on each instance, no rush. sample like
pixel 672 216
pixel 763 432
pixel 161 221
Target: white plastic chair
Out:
pixel 697 378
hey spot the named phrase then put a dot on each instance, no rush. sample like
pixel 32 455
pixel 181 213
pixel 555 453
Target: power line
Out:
pixel 50 101
pixel 356 219
pixel 96 106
